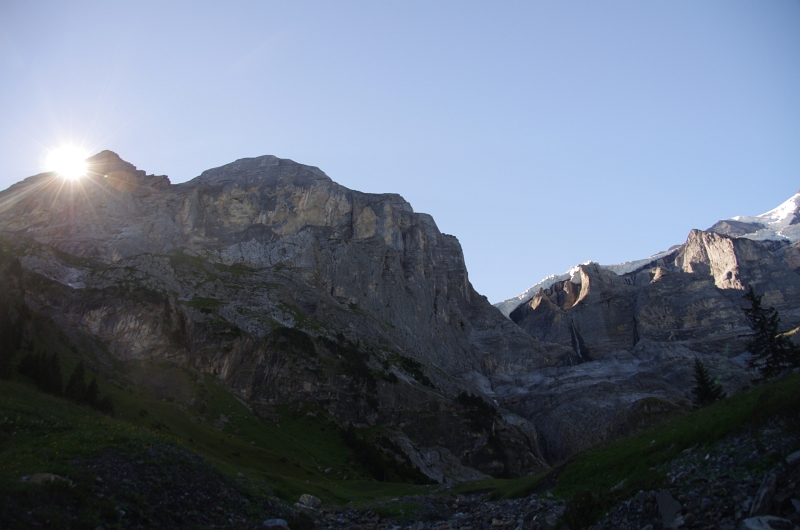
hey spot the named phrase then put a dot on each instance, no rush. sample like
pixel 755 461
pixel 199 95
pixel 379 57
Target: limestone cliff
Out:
pixel 635 335
pixel 210 272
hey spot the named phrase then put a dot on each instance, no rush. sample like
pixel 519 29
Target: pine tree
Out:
pixel 706 390
pixel 771 351
pixel 91 393
pixel 51 380
pixel 76 386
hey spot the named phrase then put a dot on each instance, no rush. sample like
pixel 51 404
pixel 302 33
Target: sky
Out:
pixel 541 134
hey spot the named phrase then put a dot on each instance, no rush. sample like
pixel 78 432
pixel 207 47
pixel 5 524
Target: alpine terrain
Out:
pixel 266 286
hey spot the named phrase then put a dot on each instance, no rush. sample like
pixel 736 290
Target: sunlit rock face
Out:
pixel 635 336
pixel 203 272
pixel 692 295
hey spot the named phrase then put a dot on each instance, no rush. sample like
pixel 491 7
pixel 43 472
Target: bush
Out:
pixel 45 370
pixel 480 413
pixel 583 510
pixel 382 463
pixel 414 368
pixel 354 360
pixel 296 338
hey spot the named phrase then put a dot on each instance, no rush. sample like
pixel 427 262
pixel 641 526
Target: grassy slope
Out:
pixel 42 433
pixel 640 460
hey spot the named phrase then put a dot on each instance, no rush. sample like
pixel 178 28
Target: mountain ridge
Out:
pixel 780 223
pixel 208 273
pixel 286 287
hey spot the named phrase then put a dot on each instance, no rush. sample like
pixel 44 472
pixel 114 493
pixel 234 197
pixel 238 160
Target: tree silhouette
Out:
pixel 772 352
pixel 91 393
pixel 706 390
pixel 76 386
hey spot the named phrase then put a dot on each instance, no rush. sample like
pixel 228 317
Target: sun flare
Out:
pixel 68 161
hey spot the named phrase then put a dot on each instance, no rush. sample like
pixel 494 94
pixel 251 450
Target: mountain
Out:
pixel 287 287
pixel 779 224
pixel 635 328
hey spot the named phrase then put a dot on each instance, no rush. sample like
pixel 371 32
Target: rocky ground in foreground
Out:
pixel 742 482
pixel 722 487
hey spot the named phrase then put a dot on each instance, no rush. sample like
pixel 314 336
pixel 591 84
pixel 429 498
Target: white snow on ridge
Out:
pixel 507 306
pixel 630 266
pixel 778 226
pixel 778 222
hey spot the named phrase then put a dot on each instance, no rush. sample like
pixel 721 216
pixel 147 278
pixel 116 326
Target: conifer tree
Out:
pixel 771 351
pixel 706 390
pixel 51 381
pixel 76 386
pixel 91 393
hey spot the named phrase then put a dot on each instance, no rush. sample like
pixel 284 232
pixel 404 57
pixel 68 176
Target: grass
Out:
pixel 640 460
pixel 634 458
pixel 42 433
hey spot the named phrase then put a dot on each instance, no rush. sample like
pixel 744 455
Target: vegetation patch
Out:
pixel 296 338
pixel 413 368
pixel 480 414
pixel 354 360
pixel 204 305
pixel 383 459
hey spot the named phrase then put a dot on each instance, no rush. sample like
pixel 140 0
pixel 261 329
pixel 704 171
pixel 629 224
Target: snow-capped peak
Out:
pixel 782 222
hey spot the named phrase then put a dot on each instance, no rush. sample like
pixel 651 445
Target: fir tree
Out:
pixel 51 380
pixel 91 393
pixel 772 352
pixel 45 370
pixel 76 386
pixel 706 390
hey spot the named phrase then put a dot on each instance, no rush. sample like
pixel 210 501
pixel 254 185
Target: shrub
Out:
pixel 583 510
pixel 480 413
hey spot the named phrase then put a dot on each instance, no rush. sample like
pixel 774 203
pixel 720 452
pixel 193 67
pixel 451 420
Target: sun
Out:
pixel 68 161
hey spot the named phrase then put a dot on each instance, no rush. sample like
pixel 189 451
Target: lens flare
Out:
pixel 68 161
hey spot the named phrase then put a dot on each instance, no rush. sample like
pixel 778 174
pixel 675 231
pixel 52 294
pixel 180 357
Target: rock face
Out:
pixel 635 335
pixel 289 287
pixel 211 273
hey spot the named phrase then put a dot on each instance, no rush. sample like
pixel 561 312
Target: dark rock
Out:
pixel 763 499
pixel 668 508
pixel 276 524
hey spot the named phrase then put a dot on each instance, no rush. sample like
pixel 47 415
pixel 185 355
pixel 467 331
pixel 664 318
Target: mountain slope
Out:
pixel 287 287
pixel 636 328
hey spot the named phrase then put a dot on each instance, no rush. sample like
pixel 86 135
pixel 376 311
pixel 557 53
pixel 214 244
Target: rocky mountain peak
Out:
pixel 107 161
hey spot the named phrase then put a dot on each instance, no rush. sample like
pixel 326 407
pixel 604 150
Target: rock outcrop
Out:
pixel 635 335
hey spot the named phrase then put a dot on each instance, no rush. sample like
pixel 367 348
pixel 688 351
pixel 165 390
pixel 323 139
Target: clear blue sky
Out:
pixel 541 134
